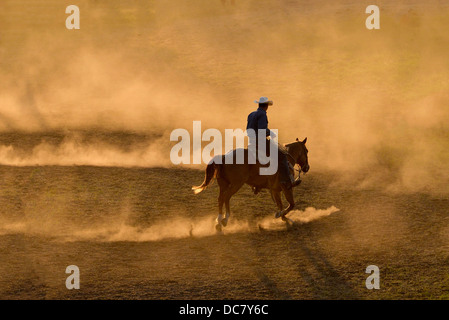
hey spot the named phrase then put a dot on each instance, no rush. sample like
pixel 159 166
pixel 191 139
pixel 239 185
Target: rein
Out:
pixel 295 162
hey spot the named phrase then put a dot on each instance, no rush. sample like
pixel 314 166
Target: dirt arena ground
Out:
pixel 132 233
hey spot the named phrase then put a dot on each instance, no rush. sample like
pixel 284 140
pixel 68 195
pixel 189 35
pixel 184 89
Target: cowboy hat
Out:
pixel 264 100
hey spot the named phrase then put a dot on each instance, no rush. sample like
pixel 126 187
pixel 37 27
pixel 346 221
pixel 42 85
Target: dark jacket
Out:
pixel 258 120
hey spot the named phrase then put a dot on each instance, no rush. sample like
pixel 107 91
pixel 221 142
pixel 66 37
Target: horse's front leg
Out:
pixel 277 199
pixel 291 203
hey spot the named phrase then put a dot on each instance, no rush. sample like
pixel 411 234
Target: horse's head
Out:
pixel 300 152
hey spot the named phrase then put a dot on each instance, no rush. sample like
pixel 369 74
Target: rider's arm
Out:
pixel 262 123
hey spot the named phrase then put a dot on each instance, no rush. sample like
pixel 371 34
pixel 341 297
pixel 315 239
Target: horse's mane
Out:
pixel 287 146
pixel 290 144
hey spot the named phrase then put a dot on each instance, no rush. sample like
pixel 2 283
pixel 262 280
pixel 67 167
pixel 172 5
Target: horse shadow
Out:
pixel 323 279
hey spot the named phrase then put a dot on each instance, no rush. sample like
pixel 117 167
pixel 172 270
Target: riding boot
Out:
pixel 293 182
pixel 296 182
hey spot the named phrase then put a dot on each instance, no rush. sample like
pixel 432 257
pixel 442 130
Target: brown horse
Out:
pixel 231 177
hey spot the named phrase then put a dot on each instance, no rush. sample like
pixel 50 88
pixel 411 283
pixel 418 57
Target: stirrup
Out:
pixel 297 182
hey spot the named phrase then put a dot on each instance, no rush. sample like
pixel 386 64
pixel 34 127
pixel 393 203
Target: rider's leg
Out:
pixel 297 181
pixel 285 177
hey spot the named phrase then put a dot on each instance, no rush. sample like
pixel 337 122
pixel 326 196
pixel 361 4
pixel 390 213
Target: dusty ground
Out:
pixel 53 217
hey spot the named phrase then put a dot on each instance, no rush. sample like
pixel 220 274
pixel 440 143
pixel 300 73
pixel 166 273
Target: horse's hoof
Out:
pixel 278 215
pixel 284 218
pixel 218 228
pixel 224 222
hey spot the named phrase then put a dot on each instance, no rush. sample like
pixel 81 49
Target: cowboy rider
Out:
pixel 258 120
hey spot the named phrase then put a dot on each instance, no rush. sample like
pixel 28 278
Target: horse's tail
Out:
pixel 211 172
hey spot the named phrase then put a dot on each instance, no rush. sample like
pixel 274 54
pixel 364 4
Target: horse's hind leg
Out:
pixel 233 188
pixel 220 207
pixel 223 187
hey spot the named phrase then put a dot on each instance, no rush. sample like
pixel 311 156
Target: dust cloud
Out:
pixel 373 104
pixel 298 217
pixel 75 149
pixel 174 228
